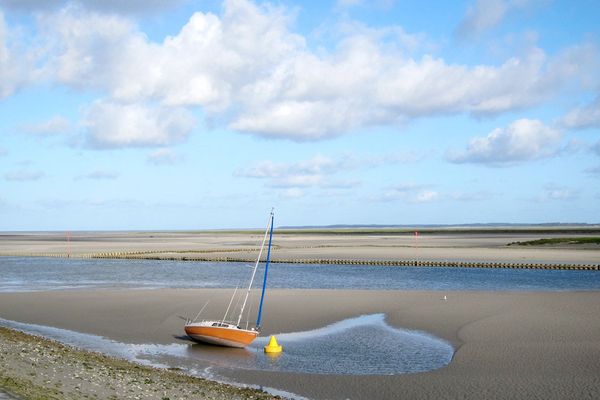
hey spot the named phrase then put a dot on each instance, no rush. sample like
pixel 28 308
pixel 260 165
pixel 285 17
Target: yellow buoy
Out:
pixel 273 346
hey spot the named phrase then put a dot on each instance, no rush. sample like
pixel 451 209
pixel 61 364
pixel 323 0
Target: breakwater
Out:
pixel 211 256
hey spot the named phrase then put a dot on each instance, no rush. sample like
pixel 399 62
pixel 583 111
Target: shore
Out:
pixel 37 368
pixel 508 344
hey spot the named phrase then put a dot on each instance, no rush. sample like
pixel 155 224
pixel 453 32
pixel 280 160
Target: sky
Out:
pixel 189 114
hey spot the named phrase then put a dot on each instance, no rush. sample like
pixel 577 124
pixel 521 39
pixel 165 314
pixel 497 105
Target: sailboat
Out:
pixel 230 333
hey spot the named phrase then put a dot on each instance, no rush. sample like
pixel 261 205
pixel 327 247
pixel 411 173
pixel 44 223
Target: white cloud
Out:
pixel 164 157
pixel 23 175
pixel 363 83
pixel 584 117
pixel 55 203
pixel 314 167
pixel 522 140
pixel 94 51
pixel 596 148
pixel 110 125
pixel 16 63
pixel 486 14
pixel 409 193
pixel 594 171
pixel 99 175
pixel 471 196
pixel 247 69
pixel 318 172
pixel 52 126
pixel 205 64
pixel 348 3
pixel 426 196
pixel 292 193
pixel 553 192
pixel 128 6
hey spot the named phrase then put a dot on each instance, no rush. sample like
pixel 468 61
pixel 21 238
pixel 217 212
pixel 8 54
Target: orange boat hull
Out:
pixel 221 336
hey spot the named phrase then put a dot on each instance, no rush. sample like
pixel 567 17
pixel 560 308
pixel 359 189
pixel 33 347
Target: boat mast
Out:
pixel 255 268
pixel 264 286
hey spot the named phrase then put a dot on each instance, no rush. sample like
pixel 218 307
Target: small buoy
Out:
pixel 273 346
pixel 445 298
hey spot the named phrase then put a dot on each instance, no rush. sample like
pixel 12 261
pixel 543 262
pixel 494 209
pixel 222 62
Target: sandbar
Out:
pixel 492 246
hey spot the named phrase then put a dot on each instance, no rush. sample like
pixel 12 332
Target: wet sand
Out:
pixel 508 344
pixel 491 246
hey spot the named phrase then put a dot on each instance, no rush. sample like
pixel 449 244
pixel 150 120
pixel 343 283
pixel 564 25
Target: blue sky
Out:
pixel 203 114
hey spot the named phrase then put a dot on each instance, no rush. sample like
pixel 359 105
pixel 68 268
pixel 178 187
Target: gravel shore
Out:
pixel 35 368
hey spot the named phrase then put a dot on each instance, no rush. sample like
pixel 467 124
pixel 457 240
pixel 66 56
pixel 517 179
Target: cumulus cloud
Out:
pixel 522 140
pixel 100 175
pixel 164 157
pixel 553 192
pixel 471 196
pixel 53 126
pixel 596 148
pixel 320 171
pixel 313 97
pixel 292 193
pixel 348 3
pixel 594 171
pixel 247 69
pixel 486 14
pixel 129 6
pixel 16 63
pixel 109 125
pixel 23 175
pixel 583 117
pixel 410 193
pixel 315 172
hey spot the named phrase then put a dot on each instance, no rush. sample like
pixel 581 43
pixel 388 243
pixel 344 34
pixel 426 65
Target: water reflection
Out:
pixel 365 345
pixel 18 274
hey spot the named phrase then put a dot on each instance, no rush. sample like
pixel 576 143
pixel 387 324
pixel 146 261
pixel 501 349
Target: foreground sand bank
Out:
pixel 508 345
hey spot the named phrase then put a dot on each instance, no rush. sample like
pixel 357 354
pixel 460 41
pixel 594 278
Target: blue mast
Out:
pixel 262 295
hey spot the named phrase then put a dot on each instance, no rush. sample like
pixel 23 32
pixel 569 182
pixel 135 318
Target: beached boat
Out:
pixel 229 333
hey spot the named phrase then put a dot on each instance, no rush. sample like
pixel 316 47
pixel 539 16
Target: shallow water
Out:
pixel 6 396
pixel 18 274
pixel 365 345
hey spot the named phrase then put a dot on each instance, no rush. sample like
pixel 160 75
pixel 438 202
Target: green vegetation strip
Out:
pixel 40 369
pixel 555 241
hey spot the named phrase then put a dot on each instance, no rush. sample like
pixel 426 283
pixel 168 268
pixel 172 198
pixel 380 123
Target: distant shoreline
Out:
pixel 490 248
pixel 567 228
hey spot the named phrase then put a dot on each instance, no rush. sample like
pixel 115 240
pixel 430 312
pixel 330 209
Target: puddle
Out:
pixel 364 345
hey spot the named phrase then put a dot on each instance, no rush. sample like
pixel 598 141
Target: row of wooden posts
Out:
pixel 168 255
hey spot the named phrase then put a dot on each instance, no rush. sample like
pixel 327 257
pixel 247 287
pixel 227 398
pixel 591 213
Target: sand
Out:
pixel 465 247
pixel 508 344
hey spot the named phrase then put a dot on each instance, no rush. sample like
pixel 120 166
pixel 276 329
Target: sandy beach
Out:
pixel 489 246
pixel 508 344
